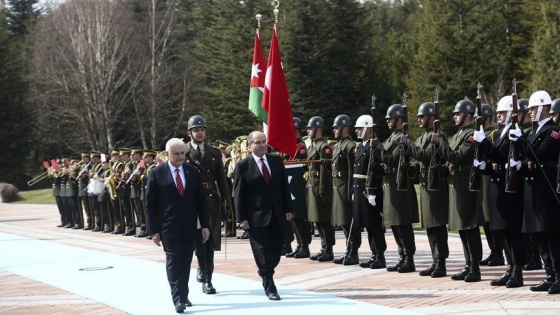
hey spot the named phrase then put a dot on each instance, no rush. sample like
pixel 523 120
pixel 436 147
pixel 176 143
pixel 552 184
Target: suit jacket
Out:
pixel 254 200
pixel 169 214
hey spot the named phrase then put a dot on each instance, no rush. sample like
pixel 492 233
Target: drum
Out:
pixel 95 187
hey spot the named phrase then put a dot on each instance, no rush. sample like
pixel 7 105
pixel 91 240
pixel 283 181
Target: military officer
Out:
pixel 434 202
pixel 208 160
pixel 539 168
pixel 400 207
pixel 506 208
pixel 367 205
pixel 342 174
pixel 465 215
pixel 319 188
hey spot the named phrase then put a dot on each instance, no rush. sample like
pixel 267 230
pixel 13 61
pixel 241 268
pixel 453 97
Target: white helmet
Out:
pixel 505 104
pixel 539 98
pixel 364 121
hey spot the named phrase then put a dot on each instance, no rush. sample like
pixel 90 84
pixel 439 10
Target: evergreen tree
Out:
pixel 22 15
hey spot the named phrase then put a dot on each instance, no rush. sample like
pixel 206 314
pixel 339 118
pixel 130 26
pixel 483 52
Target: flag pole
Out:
pixel 259 18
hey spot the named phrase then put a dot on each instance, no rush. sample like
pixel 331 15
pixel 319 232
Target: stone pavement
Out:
pixel 408 292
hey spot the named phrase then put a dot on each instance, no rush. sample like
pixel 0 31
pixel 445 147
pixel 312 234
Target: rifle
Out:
pixel 371 155
pixel 435 160
pixel 475 179
pixel 402 170
pixel 511 174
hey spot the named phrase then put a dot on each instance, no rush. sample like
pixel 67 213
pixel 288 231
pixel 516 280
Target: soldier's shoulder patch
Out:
pixel 554 134
pixel 471 139
pixel 328 150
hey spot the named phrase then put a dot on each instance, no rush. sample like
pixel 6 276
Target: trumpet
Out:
pixel 39 177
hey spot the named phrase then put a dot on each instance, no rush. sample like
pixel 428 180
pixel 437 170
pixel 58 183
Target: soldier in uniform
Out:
pixel 506 208
pixel 555 111
pixel 342 173
pixel 434 204
pixel 56 185
pixel 367 204
pixel 465 215
pixel 299 224
pixel 136 190
pixel 125 170
pixel 319 189
pixel 496 257
pixel 150 163
pixel 83 181
pixel 539 168
pixel 112 193
pixel 230 226
pixel 98 173
pixel 72 192
pixel 208 160
pixel 400 207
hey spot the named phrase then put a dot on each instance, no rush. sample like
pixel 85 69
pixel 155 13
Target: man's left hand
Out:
pixel 205 234
pixel 289 216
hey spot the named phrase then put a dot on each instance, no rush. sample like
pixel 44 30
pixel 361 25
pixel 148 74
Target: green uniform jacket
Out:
pixel 319 183
pixel 399 207
pixel 434 205
pixel 342 172
pixel 464 211
pixel 213 173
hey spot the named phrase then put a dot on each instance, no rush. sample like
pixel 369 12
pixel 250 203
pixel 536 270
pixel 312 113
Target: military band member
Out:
pixel 367 189
pixel 150 162
pixel 342 173
pixel 208 160
pixel 299 224
pixel 125 170
pixel 539 169
pixel 400 207
pixel 112 192
pixel 99 171
pixel 506 208
pixel 56 185
pixel 83 199
pixel 72 192
pixel 465 215
pixel 319 189
pixel 434 204
pixel 136 190
pixel 63 174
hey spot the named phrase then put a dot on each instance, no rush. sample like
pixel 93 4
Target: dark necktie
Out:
pixel 265 172
pixel 180 187
pixel 198 154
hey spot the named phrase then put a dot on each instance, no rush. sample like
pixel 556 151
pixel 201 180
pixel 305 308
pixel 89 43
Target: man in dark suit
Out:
pixel 175 198
pixel 263 204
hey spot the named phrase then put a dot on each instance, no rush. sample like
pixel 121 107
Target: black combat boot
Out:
pixel 293 254
pixel 516 279
pixel 555 287
pixel 396 266
pixel 352 258
pixel 463 273
pixel 315 256
pixel 503 280
pixel 379 262
pixel 474 274
pixel 439 269
pixel 534 263
pixel 544 285
pixel 303 252
pixel 498 259
pixel 327 255
pixel 428 271
pixel 367 263
pixel 408 265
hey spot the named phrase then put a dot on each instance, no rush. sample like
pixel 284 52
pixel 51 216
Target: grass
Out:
pixel 39 196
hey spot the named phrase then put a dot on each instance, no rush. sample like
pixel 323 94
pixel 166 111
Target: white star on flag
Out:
pixel 255 71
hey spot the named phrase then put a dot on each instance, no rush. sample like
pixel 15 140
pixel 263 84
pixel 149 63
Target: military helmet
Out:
pixel 505 104
pixel 342 121
pixel 395 111
pixel 427 108
pixel 297 123
pixel 196 121
pixel 364 121
pixel 523 105
pixel 555 107
pixel 539 98
pixel 316 122
pixel 486 110
pixel 464 106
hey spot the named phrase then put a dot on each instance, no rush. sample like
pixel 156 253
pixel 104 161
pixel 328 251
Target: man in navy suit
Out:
pixel 263 203
pixel 175 198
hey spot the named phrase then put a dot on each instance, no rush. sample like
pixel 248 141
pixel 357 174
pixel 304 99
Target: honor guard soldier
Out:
pixel 539 169
pixel 465 215
pixel 434 197
pixel 138 167
pixel 208 160
pixel 400 206
pixel 319 188
pixel 56 185
pixel 342 173
pixel 299 224
pixel 555 111
pixel 150 163
pixel 496 257
pixel 125 170
pixel 506 207
pixel 83 181
pixel 367 189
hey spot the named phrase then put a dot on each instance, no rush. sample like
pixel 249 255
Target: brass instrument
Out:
pixel 39 177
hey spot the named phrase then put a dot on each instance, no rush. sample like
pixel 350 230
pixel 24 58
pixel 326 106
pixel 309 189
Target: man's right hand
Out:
pixel 156 239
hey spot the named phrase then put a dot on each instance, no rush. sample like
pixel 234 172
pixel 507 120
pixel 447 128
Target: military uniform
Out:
pixel 112 193
pixel 136 191
pixel 56 185
pixel 125 170
pixel 84 200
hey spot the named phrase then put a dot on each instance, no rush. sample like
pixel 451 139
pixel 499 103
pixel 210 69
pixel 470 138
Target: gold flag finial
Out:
pixel 276 4
pixel 259 18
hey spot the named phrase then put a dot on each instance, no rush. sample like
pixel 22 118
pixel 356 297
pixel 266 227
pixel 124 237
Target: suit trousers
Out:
pixel 437 237
pixel 266 244
pixel 404 237
pixel 178 258
pixel 472 245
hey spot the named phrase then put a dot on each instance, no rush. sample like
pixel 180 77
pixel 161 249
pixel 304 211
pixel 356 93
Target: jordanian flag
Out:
pixel 258 73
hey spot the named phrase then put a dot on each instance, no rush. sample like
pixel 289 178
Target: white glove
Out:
pixel 371 199
pixel 479 135
pixel 514 163
pixel 514 134
pixel 352 197
pixel 480 164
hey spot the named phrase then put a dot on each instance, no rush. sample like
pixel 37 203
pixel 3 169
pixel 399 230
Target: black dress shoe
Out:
pixel 208 288
pixel 439 271
pixel 188 303
pixel 339 260
pixel 407 267
pixel 303 252
pixel 485 261
pixel 316 255
pixel 61 225
pixel 428 271
pixel 541 287
pixel 396 266
pixel 273 296
pixel 179 308
pixel 473 275
pixel 533 264
pixel 68 226
pixel 378 263
pixel 554 288
pixel 461 274
pixel 290 253
pixel 129 233
pixel 503 280
pixel 498 260
pixel 351 260
pixel 367 264
pixel 326 256
pixel 200 277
